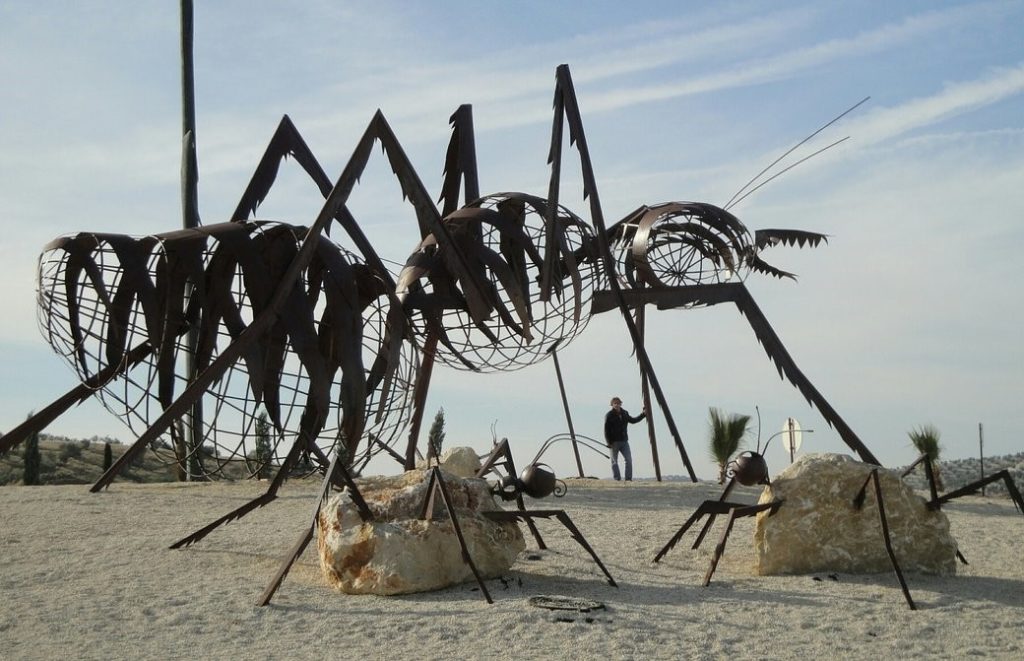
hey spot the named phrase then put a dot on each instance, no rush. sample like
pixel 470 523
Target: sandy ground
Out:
pixel 90 576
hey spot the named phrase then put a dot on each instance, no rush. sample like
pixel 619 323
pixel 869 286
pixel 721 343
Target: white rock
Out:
pixel 399 553
pixel 817 528
pixel 461 461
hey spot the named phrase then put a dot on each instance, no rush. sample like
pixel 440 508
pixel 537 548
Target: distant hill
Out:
pixel 66 460
pixel 80 461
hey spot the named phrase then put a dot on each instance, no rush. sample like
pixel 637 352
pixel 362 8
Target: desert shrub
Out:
pixel 435 438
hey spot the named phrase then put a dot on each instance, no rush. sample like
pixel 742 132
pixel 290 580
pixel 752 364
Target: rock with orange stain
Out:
pixel 398 552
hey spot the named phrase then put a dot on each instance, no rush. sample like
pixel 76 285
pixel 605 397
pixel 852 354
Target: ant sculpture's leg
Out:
pixel 736 512
pixel 567 111
pixel 858 503
pixel 929 473
pixel 736 292
pixel 76 395
pixel 701 511
pixel 437 483
pixel 697 514
pixel 285 143
pixel 936 502
pixel 561 517
pixel 291 459
pixel 337 476
pixel 974 487
pixel 711 517
pixel 708 507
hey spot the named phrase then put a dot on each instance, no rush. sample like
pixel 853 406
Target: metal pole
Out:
pixel 981 453
pixel 565 405
pixel 789 423
pixel 645 390
pixel 190 218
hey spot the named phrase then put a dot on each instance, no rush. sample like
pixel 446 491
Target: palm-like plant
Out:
pixel 726 434
pixel 926 440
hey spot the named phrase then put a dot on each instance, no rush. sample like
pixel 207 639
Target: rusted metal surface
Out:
pixel 102 295
pixel 324 339
pixel 495 283
pixel 749 468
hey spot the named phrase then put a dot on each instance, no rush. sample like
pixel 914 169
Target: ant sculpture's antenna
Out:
pixel 756 409
pixel 739 196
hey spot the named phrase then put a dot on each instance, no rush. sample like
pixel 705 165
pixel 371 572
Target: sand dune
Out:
pixel 90 576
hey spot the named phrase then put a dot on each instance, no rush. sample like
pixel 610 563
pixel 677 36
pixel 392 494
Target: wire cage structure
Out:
pixel 514 319
pixel 680 244
pixel 125 305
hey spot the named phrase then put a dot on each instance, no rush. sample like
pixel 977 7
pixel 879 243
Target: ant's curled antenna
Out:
pixel 733 200
pixel 585 441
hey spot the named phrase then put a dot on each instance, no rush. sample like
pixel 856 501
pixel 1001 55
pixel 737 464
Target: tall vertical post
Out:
pixel 981 454
pixel 190 218
pixel 791 441
pixel 567 109
pixel 565 405
pixel 645 390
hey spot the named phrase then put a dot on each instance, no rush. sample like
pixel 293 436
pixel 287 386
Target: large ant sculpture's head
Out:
pixel 679 244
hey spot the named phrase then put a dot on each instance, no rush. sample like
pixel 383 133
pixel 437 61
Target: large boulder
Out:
pixel 399 553
pixel 818 529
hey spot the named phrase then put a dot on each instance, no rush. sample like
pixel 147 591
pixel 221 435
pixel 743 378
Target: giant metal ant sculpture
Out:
pixel 524 259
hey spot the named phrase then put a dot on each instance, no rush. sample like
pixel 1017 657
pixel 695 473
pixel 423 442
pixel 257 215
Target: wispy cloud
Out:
pixel 955 99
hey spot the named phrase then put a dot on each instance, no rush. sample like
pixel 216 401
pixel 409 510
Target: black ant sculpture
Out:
pixel 750 469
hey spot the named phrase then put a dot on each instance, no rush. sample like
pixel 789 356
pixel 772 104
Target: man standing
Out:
pixel 616 435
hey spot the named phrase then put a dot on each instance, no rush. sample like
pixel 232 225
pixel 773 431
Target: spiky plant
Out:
pixel 108 457
pixel 435 438
pixel 926 440
pixel 264 449
pixel 726 431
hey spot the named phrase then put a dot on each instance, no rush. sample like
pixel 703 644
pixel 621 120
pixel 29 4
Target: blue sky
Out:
pixel 911 314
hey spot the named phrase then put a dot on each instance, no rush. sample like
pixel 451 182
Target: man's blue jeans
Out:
pixel 622 447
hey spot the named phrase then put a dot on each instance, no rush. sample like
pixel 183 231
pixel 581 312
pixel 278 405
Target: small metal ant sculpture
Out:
pixel 537 481
pixel 750 469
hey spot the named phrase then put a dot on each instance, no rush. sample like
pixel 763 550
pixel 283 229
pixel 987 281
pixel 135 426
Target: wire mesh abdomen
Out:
pixel 125 306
